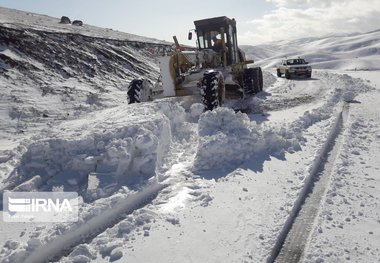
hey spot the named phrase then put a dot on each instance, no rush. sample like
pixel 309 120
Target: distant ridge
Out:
pixel 20 19
pixel 355 51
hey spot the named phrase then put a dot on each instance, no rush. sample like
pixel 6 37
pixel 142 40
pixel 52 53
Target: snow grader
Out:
pixel 216 71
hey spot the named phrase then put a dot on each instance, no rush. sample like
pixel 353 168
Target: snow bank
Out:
pixel 119 146
pixel 227 138
pixel 344 88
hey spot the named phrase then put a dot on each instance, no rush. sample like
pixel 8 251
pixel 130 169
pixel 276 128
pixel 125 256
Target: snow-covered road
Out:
pixel 348 225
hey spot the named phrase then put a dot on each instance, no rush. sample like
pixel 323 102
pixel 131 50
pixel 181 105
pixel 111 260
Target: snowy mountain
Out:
pixel 294 180
pixel 360 51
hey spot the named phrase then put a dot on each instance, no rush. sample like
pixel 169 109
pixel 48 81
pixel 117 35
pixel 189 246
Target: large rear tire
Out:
pixel 253 81
pixel 213 89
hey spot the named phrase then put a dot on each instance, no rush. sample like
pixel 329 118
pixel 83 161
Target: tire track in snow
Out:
pixel 60 246
pixel 293 237
pixel 289 93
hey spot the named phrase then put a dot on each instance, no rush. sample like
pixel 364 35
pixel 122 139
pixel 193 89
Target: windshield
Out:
pixel 208 39
pixel 295 61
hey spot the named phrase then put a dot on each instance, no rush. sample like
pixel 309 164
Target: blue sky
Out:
pixel 258 20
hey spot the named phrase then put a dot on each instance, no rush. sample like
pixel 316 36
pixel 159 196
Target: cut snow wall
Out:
pixel 122 146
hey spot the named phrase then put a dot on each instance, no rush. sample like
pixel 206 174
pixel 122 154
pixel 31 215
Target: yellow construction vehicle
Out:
pixel 215 71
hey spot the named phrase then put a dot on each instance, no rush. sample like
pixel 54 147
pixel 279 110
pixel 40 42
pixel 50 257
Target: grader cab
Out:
pixel 215 71
pixel 219 34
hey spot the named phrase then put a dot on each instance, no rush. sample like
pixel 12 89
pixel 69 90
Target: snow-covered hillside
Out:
pixel 296 179
pixel 359 51
pixel 53 71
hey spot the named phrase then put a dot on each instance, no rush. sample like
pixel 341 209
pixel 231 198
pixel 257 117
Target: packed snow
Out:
pixel 164 181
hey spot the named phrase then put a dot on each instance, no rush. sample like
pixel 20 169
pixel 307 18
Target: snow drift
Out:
pixel 228 139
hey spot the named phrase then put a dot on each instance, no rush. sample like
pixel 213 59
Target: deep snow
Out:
pixel 166 182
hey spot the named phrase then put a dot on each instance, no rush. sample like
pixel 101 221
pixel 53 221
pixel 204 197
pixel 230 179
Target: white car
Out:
pixel 294 67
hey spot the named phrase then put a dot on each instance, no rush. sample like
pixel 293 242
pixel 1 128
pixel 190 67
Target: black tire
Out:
pixel 279 74
pixel 134 91
pixel 212 90
pixel 253 81
pixel 308 75
pixel 287 75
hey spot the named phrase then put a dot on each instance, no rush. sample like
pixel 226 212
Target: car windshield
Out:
pixel 295 61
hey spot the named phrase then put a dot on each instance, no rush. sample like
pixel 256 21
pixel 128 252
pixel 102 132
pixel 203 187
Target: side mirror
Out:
pixel 190 36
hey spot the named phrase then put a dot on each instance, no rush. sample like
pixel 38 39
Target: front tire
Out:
pixel 287 75
pixel 213 89
pixel 139 90
pixel 279 73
